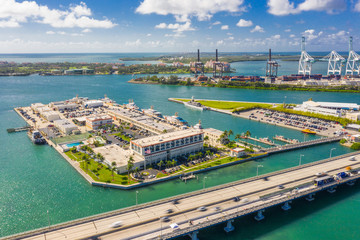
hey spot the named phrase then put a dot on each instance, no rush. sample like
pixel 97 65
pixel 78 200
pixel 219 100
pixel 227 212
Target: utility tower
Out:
pixel 199 65
pixel 271 67
pixel 335 63
pixel 306 61
pixel 217 65
pixel 353 61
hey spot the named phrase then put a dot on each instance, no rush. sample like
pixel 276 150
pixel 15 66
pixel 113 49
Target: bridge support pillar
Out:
pixel 286 206
pixel 310 197
pixel 193 235
pixel 229 227
pixel 259 215
pixel 351 183
pixel 331 190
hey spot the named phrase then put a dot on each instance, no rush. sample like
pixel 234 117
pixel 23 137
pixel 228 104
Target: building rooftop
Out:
pixel 114 153
pixel 65 123
pixel 213 131
pixel 166 137
pixel 237 149
pixel 98 117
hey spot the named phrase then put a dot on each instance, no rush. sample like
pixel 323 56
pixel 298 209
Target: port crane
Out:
pixel 305 61
pixel 353 61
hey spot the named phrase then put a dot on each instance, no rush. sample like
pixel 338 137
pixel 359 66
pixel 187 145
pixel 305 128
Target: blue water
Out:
pixel 36 179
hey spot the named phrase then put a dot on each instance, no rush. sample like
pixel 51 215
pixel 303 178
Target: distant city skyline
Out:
pixel 93 26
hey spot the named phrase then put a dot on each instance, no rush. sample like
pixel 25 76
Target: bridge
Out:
pixel 289 147
pixel 253 195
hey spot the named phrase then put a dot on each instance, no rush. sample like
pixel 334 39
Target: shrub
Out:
pixel 355 146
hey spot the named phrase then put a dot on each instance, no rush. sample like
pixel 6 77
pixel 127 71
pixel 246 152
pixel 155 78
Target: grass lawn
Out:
pixel 99 172
pixel 229 105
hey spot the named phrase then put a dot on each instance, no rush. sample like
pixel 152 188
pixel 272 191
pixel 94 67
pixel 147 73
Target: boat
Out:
pixel 308 131
pixel 153 113
pixel 176 120
pixel 36 137
pixel 131 105
pixel 195 105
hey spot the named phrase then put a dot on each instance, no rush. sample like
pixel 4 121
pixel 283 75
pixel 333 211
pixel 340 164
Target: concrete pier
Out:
pixel 310 197
pixel 259 216
pixel 229 227
pixel 286 206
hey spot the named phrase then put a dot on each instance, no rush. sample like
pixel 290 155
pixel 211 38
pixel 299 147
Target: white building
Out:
pixel 51 116
pixel 95 122
pixel 213 136
pixel 35 106
pixel 65 126
pixel 354 116
pixel 333 105
pixel 168 146
pixel 237 152
pixel 93 103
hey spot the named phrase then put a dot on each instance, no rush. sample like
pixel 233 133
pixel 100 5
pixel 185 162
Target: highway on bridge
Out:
pixel 143 221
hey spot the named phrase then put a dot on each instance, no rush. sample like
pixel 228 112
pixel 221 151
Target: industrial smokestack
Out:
pixel 217 56
pixel 198 55
pixel 270 54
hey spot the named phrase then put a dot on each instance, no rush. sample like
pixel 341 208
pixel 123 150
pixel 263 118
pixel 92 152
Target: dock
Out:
pixel 19 129
pixel 255 196
pixel 284 139
pixel 261 140
pixel 187 177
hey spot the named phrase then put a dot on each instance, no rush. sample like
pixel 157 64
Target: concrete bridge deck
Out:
pixel 143 221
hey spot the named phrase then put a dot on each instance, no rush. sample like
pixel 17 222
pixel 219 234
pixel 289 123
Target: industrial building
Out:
pixel 327 108
pixel 65 126
pixel 94 122
pixel 168 146
pixel 51 116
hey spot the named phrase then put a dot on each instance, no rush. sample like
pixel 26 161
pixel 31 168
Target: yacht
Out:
pixel 195 105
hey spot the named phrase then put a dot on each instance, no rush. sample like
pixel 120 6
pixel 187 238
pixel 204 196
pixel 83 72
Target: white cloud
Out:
pixel 185 9
pixel 133 43
pixel 216 23
pixel 292 35
pixel 77 34
pixel 220 42
pixel 87 30
pixel 148 35
pixel 176 27
pixel 311 34
pixel 12 13
pixel 244 23
pixel 257 28
pixel 61 33
pixel 286 7
pixel 357 6
pixel 225 27
pixel 287 30
pixel 230 38
pixel 50 32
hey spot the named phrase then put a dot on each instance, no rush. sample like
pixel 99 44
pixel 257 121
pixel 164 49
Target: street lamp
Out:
pixel 331 151
pixel 160 228
pixel 257 169
pixel 284 101
pixel 204 182
pixel 301 155
pixel 137 197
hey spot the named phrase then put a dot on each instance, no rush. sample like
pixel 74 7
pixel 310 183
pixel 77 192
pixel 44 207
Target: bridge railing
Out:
pixel 244 212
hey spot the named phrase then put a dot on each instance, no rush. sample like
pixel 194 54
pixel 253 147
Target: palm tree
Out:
pixel 200 154
pixel 225 133
pixel 137 170
pixel 113 167
pixel 168 163
pixel 248 133
pixel 129 166
pixel 207 153
pixel 160 164
pixel 173 162
pixel 237 137
pixel 230 132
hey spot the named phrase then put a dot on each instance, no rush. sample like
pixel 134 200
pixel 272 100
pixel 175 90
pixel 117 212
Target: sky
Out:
pixel 94 26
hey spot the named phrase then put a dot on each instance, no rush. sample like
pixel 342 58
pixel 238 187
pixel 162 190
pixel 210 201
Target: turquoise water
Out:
pixel 34 179
pixel 70 145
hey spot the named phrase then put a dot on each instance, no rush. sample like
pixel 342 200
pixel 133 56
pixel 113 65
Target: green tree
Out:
pixel 113 168
pixel 160 164
pixel 237 137
pixel 129 166
pixel 248 133
pixel 173 162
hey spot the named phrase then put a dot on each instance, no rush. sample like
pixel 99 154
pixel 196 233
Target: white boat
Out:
pixel 131 105
pixel 195 105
